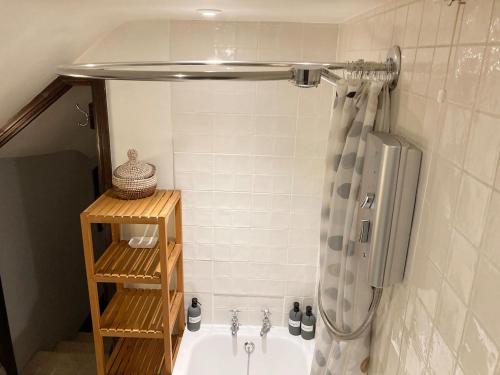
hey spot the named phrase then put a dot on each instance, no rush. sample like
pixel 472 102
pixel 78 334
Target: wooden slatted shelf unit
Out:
pixel 137 316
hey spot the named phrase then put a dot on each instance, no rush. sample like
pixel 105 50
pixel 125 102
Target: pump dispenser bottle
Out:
pixel 294 320
pixel 194 315
pixel 308 325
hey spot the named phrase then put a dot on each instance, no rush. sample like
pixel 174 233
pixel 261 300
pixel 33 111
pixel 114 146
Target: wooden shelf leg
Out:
pixel 88 250
pixel 115 237
pixel 115 232
pixel 180 265
pixel 165 291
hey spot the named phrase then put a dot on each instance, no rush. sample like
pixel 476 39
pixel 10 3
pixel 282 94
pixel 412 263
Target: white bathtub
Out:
pixel 213 351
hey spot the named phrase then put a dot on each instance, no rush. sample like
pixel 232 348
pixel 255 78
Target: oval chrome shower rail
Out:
pixel 137 71
pixel 303 74
pixel 346 335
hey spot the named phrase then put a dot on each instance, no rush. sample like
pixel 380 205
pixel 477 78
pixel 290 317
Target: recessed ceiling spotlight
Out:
pixel 209 12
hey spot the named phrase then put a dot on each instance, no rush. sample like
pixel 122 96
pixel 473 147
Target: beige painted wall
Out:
pixel 444 318
pixel 56 129
pixel 36 37
pixel 139 112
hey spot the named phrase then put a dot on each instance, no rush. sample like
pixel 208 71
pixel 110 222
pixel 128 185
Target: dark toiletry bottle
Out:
pixel 294 320
pixel 308 326
pixel 194 315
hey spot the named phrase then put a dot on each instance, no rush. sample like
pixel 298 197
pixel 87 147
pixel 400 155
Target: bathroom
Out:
pixel 248 156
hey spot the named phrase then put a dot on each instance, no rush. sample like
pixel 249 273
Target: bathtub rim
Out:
pixel 190 339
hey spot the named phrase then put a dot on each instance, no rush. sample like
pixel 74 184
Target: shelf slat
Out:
pixel 109 209
pixel 173 257
pixel 137 356
pixel 122 264
pixel 138 313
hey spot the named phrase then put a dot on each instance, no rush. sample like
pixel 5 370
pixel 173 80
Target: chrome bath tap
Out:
pixel 235 324
pixel 266 323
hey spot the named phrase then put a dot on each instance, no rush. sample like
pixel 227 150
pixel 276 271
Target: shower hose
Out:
pixel 345 335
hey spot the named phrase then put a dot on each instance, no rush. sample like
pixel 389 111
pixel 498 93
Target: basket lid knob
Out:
pixel 132 154
pixel 134 169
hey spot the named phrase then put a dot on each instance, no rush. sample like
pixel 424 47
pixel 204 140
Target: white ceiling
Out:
pixel 38 35
pixel 330 11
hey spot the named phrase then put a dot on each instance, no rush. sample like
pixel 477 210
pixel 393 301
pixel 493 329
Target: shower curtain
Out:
pixel 359 108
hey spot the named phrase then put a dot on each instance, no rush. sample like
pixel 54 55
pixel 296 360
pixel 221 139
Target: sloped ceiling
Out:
pixel 38 35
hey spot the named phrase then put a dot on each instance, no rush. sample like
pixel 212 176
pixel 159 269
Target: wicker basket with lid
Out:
pixel 134 179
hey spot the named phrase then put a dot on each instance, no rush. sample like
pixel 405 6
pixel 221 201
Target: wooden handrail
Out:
pixel 33 109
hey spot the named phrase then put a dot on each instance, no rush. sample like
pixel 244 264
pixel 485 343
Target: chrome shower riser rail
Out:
pixel 343 334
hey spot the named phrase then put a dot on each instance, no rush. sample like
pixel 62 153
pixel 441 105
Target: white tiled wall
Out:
pixel 249 158
pixel 444 318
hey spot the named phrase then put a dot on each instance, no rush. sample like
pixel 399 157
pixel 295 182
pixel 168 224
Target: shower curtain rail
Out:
pixel 300 73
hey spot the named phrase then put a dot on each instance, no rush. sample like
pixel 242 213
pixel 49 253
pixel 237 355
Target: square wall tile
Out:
pixel 476 21
pixel 442 187
pixel 471 208
pixel 478 353
pixel 408 60
pixel 438 71
pixel 274 98
pixel 434 113
pixel 413 364
pixel 454 133
pixel 428 282
pixel 412 127
pixel 246 35
pixel 413 23
pixel 494 35
pixel 489 89
pixel 399 26
pixel 483 148
pixel 497 178
pixel 422 70
pixel 446 24
pixel 485 301
pixel 430 23
pixel 462 265
pixel 278 41
pixel 441 359
pixel 464 74
pixel 450 318
pixel 491 237
pixel 434 237
pixel 385 27
pixel 325 38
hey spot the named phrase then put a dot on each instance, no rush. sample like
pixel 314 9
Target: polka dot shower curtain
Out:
pixel 359 108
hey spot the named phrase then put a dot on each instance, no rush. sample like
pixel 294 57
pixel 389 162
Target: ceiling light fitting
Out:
pixel 209 12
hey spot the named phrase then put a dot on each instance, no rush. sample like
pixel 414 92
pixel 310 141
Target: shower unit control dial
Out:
pixel 387 200
pixel 368 201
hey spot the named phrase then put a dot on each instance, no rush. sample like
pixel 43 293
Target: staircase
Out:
pixel 75 357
